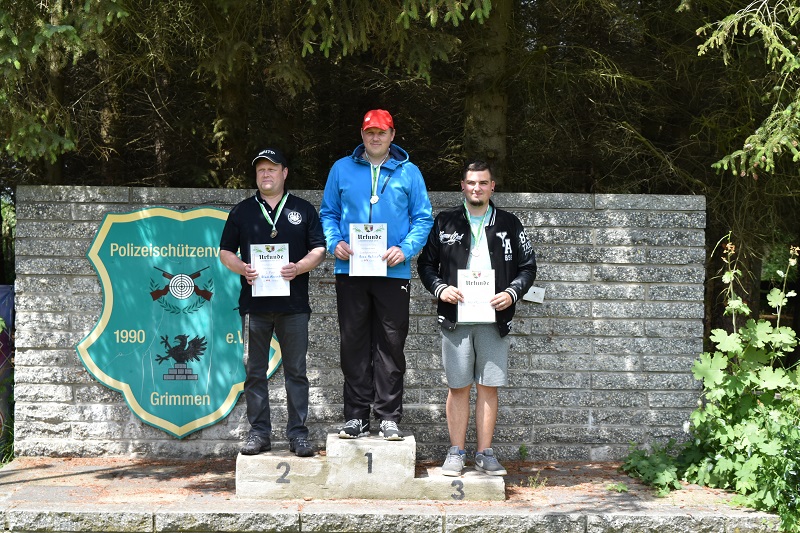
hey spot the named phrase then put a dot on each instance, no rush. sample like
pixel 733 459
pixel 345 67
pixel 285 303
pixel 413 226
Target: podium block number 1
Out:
pixel 368 455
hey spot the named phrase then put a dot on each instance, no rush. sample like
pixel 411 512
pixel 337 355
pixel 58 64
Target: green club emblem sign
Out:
pixel 169 335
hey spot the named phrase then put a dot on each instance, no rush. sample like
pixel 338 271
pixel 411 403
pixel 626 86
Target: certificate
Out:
pixel 267 260
pixel 368 242
pixel 477 286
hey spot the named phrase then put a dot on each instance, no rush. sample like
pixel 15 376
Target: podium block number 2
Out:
pixel 283 478
pixel 368 455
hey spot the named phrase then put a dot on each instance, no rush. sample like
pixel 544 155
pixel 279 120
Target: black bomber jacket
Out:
pixel 447 250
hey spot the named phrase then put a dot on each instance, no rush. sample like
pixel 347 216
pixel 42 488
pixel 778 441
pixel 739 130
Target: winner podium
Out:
pixel 363 468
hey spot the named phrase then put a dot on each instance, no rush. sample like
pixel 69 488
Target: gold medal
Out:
pixel 274 233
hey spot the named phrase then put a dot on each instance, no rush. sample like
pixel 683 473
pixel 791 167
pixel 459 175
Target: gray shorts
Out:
pixel 475 353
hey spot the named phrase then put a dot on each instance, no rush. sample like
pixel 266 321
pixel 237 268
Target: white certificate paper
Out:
pixel 477 286
pixel 368 242
pixel 267 260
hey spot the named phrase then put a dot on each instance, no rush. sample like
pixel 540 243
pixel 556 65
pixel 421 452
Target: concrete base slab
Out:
pixel 365 468
pixel 103 495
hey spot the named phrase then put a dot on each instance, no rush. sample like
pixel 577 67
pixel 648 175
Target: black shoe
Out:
pixel 255 445
pixel 354 428
pixel 301 447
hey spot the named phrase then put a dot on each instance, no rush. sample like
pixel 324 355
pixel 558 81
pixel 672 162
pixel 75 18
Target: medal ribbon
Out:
pixel 375 172
pixel 476 239
pixel 277 211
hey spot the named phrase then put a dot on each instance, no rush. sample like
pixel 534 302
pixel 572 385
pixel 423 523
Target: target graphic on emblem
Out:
pixel 181 286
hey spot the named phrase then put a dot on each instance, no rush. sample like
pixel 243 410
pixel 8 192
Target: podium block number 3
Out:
pixel 459 486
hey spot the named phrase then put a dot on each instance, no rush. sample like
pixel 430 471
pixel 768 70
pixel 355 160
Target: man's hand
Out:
pixel 342 251
pixel 289 271
pixel 451 295
pixel 250 273
pixel 501 300
pixel 394 256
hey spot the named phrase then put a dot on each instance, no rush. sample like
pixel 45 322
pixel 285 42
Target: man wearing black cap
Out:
pixel 274 217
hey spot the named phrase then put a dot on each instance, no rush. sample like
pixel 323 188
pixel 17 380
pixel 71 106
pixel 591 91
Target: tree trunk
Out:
pixel 232 124
pixel 486 100
pixel 110 160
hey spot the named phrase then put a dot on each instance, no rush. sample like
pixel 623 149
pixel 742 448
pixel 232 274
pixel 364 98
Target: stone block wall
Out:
pixel 603 362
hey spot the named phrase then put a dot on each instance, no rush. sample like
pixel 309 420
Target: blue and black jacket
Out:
pixel 403 205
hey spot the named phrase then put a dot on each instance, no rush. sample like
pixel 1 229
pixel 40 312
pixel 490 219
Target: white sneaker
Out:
pixel 389 431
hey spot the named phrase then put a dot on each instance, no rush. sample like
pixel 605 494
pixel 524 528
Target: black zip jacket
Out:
pixel 447 251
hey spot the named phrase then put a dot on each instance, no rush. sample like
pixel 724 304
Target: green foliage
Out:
pixel 7 430
pixel 534 482
pixel 775 262
pixel 617 487
pixel 745 435
pixel 7 444
pixel 523 451
pixel 8 224
pixel 774 24
pixel 37 42
pixel 657 467
pixel 353 26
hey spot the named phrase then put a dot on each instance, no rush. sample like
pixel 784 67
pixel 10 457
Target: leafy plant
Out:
pixel 617 487
pixel 523 452
pixel 6 391
pixel 744 434
pixel 534 482
pixel 657 467
pixel 7 430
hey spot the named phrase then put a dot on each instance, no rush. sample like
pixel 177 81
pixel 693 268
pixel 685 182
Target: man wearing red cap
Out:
pixel 376 185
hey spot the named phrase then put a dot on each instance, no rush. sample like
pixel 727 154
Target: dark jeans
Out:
pixel 373 326
pixel 292 333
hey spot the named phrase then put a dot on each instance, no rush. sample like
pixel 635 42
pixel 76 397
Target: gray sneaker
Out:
pixel 453 463
pixel 485 461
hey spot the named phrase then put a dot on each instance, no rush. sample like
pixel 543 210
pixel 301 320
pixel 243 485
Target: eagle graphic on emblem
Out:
pixel 184 351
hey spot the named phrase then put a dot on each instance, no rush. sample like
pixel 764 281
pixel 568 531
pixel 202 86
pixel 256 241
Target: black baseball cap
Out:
pixel 273 154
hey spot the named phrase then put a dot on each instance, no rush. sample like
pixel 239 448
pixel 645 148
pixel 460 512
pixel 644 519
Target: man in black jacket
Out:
pixel 274 218
pixel 481 242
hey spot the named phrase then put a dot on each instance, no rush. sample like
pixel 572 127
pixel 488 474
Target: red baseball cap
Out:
pixel 378 118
